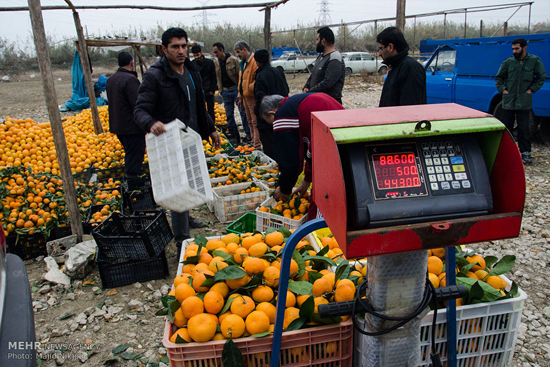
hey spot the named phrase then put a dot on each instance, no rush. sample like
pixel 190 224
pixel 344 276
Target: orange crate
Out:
pixel 329 346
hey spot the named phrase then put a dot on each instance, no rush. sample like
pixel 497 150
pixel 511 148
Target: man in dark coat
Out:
pixel 406 81
pixel 208 75
pixel 122 89
pixel 172 89
pixel 269 81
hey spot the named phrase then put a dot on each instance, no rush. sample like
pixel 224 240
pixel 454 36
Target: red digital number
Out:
pixel 396 159
pixel 411 158
pixel 382 160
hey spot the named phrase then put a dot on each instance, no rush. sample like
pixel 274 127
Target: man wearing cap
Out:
pixel 269 81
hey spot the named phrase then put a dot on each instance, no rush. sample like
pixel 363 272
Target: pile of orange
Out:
pixel 244 149
pixel 209 150
pixel 293 208
pixel 221 117
pixel 228 287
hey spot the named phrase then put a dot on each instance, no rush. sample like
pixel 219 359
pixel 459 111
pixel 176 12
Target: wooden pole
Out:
pixel 267 31
pixel 60 144
pixel 481 28
pixel 83 52
pixel 400 16
pixel 465 21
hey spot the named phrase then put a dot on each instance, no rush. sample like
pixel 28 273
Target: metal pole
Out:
pixel 444 24
pixel 290 245
pixel 529 22
pixel 481 28
pixel 450 266
pixel 465 23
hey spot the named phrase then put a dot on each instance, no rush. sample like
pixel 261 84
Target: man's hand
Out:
pixel 240 103
pixel 302 189
pixel 157 128
pixel 505 92
pixel 278 195
pixel 216 140
pixel 306 90
pixel 529 91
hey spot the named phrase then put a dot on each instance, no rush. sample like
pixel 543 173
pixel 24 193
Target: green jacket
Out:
pixel 517 77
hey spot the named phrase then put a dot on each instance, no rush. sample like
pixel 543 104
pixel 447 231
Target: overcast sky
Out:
pixel 15 26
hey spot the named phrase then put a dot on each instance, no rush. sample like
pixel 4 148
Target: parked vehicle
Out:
pixel 357 62
pixel 463 71
pixel 17 335
pixel 292 62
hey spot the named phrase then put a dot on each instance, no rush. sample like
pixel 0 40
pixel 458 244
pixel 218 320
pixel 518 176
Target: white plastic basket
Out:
pixel 486 333
pixel 230 204
pixel 266 220
pixel 179 176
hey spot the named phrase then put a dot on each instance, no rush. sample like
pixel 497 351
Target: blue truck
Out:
pixel 463 71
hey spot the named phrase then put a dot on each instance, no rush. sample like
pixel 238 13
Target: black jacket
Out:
pixel 122 90
pixel 208 74
pixel 161 98
pixel 269 81
pixel 406 82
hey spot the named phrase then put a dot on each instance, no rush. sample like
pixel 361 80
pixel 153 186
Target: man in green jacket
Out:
pixel 517 79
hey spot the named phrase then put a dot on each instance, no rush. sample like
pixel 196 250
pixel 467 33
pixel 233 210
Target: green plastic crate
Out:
pixel 245 223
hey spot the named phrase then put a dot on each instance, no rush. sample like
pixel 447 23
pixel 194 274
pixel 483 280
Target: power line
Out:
pixel 324 13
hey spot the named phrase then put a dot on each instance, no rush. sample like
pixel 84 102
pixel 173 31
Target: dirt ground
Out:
pixel 85 325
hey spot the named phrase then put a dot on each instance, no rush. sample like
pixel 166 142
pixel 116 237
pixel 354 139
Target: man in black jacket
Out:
pixel 122 89
pixel 269 81
pixel 208 75
pixel 172 89
pixel 406 81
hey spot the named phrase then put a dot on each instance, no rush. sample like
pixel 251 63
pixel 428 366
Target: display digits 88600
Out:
pixel 396 170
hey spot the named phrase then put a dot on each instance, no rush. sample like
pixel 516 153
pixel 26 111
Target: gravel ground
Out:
pixel 84 315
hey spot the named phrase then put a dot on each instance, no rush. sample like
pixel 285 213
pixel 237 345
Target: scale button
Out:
pixel 466 184
pixel 448 145
pixel 458 149
pixel 459 168
pixel 450 152
pixel 431 170
pixel 445 185
pixel 437 160
pixel 441 145
pixel 456 184
pixel 438 169
pixel 434 186
pixel 443 153
pixel 432 178
pixel 457 160
pixel 461 176
pixel 429 162
pixel 445 160
pixel 426 154
pixel 448 176
pixel 441 177
pixel 433 146
pixel 446 169
pixel 435 153
pixel 425 146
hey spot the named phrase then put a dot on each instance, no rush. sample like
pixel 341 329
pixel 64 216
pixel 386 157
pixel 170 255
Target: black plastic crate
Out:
pixel 140 199
pixel 122 238
pixel 60 232
pixel 88 226
pixel 105 174
pixel 119 273
pixel 84 176
pixel 26 246
pixel 136 183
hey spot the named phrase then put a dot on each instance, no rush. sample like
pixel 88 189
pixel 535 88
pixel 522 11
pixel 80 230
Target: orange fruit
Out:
pixel 182 278
pixel 179 319
pixel 221 288
pixel 269 309
pixel 216 264
pixel 230 237
pixel 434 279
pixel 214 244
pixel 192 306
pixel 271 276
pixel 344 293
pixel 238 283
pixel 262 293
pixel 248 242
pixel 258 249
pixel 182 333
pixel 301 299
pixel 199 279
pixel 481 274
pixel 257 322
pixel 435 265
pixel 319 301
pixel 496 282
pixel 274 239
pixel 439 252
pixel 291 314
pixel 253 265
pixel 240 254
pixel 213 302
pixel 232 326
pixel 320 287
pixel 205 258
pixel 184 291
pixel 242 306
pixel 479 260
pixel 201 327
pixel 331 278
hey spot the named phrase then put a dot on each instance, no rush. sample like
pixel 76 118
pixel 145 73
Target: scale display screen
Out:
pixel 396 171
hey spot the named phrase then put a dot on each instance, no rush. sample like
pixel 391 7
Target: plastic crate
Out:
pixel 60 232
pixel 246 223
pixel 266 220
pixel 26 246
pixel 179 175
pixel 230 204
pixel 122 237
pixel 119 273
pixel 140 199
pixel 105 174
pixel 327 346
pixel 88 226
pixel 83 176
pixel 486 332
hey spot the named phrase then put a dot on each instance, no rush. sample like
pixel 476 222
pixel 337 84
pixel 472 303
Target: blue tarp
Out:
pixel 79 99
